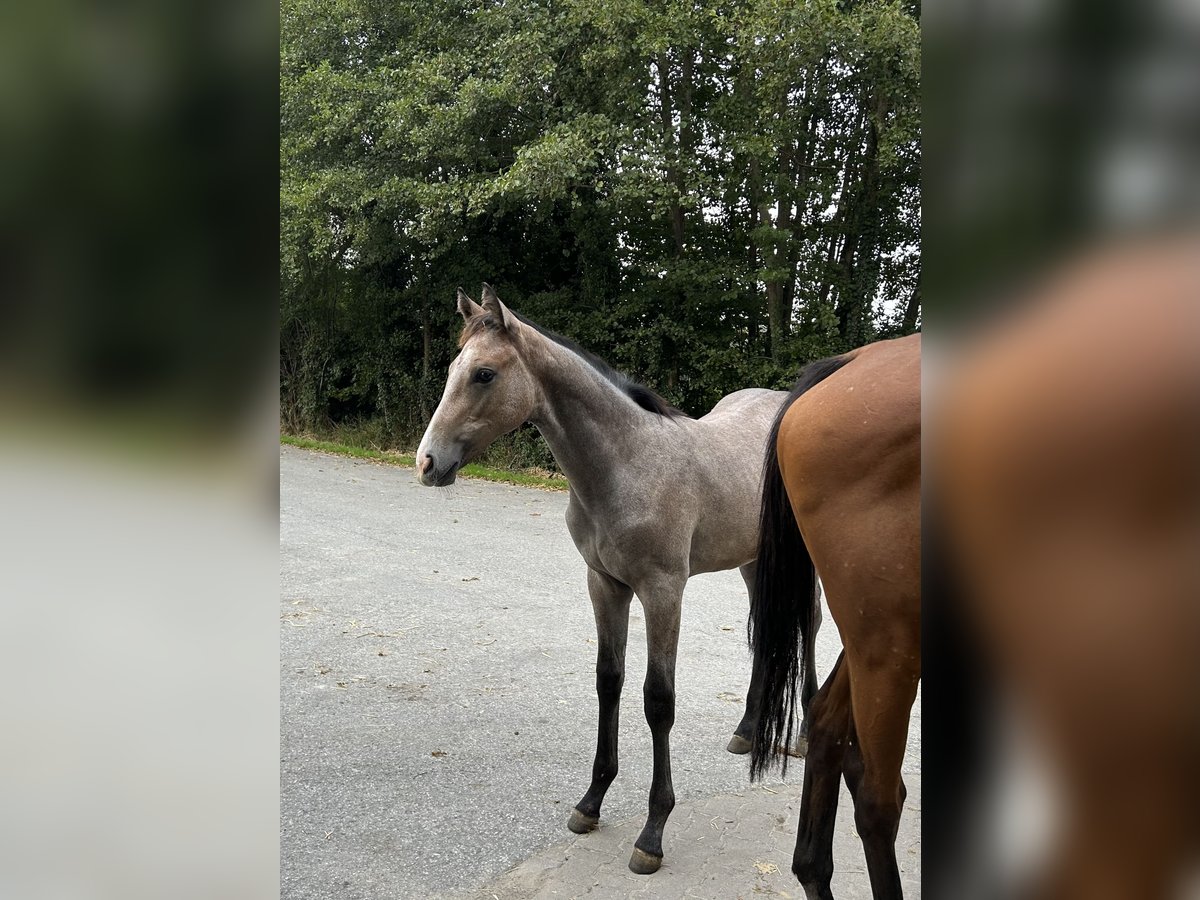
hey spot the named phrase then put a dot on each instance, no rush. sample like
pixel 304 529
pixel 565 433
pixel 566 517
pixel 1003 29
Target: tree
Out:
pixel 706 196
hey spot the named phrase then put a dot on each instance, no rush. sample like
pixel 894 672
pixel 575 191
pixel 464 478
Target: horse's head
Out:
pixel 489 392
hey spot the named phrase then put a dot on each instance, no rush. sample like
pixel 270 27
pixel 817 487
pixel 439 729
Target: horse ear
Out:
pixel 492 304
pixel 467 308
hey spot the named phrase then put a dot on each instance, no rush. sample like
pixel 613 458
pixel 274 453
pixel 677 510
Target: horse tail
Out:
pixel 783 609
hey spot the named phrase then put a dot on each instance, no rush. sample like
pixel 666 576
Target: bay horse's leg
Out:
pixel 812 862
pixel 852 766
pixel 882 694
pixel 610 603
pixel 662 602
pixel 743 734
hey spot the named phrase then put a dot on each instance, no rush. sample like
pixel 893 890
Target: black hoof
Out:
pixel 738 745
pixel 642 863
pixel 582 823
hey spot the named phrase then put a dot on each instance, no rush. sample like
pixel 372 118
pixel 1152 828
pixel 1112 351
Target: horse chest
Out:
pixel 626 546
pixel 591 542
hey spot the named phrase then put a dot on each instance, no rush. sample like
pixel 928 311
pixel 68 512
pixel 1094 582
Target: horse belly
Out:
pixel 720 545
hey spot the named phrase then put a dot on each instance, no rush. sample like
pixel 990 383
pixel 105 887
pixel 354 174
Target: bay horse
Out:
pixel 655 497
pixel 1067 434
pixel 841 501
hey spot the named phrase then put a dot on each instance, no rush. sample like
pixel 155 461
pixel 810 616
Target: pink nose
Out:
pixel 424 464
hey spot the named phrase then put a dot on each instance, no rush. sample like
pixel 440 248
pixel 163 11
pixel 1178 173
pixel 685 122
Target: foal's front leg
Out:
pixel 610 603
pixel 661 600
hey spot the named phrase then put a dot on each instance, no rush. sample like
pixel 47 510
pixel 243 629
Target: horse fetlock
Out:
pixel 814 876
pixel 817 892
pixel 603 777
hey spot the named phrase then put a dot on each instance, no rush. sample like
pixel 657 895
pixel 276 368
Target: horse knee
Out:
pixel 658 693
pixel 610 678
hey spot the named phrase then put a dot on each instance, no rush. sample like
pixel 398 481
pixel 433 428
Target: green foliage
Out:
pixel 706 196
pixel 488 473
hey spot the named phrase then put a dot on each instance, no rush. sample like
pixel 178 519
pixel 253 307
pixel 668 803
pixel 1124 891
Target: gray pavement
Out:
pixel 438 710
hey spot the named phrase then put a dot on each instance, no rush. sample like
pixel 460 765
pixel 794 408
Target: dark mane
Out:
pixel 638 393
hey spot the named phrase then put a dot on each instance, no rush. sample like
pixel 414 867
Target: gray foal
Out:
pixel 655 497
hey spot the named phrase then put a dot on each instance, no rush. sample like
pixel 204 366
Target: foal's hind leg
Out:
pixel 743 734
pixel 808 686
pixel 610 603
pixel 812 862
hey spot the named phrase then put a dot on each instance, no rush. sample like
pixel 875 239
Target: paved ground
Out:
pixel 438 709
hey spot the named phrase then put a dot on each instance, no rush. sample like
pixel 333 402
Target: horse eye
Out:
pixel 483 376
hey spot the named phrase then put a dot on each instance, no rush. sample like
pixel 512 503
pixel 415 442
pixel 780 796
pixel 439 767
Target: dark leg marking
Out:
pixel 659 696
pixel 610 602
pixel 744 733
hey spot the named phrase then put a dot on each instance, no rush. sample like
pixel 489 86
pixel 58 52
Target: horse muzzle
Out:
pixel 431 475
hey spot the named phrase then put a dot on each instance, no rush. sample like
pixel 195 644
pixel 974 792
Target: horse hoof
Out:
pixel 738 745
pixel 642 863
pixel 581 823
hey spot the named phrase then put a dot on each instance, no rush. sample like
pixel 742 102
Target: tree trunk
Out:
pixel 912 307
pixel 861 265
pixel 852 306
pixel 686 144
pixel 779 309
pixel 671 149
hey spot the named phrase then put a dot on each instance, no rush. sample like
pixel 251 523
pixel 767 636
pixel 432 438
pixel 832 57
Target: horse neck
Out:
pixel 592 427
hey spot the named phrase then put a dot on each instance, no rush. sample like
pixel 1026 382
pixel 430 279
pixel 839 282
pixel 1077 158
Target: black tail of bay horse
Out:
pixel 783 621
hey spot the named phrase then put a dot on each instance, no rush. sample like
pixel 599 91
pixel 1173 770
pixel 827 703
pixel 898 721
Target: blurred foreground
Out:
pixel 138 450
pixel 1062 392
pixel 1064 456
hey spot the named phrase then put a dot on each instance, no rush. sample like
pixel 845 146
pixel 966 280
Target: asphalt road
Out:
pixel 438 710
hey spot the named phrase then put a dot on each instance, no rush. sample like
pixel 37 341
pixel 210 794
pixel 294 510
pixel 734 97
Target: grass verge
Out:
pixel 525 479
